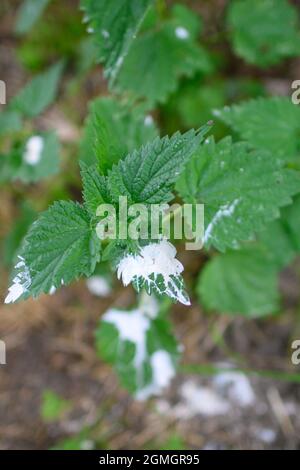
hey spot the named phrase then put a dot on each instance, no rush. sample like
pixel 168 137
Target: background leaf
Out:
pixel 28 14
pixel 240 282
pixel 264 32
pixel 39 93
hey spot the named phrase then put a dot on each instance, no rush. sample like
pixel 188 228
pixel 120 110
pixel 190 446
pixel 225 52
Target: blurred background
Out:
pixel 54 390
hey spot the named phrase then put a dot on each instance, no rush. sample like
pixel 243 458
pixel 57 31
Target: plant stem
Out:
pixel 209 370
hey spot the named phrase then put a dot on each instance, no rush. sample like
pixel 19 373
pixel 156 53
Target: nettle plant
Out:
pixel 248 183
pixel 28 155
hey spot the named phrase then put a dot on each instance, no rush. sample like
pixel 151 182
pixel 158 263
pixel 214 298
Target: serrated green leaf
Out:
pixel 267 123
pixel 59 247
pixel 162 57
pixel 95 190
pixel 147 174
pixel 156 284
pixel 154 268
pixel 263 32
pixel 241 190
pixel 39 93
pixel 142 350
pixel 240 282
pixel 112 131
pixel 115 27
pixel 29 12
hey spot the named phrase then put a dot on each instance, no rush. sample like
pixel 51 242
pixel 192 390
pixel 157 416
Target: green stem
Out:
pixel 209 370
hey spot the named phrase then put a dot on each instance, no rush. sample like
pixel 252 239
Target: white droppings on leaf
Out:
pixel 132 326
pixel 182 33
pixel 21 282
pixel 119 61
pixel 52 290
pixel 216 112
pixel 163 371
pixel 98 285
pixel 155 259
pixel 148 121
pixel 90 29
pixel 33 150
pixel 225 211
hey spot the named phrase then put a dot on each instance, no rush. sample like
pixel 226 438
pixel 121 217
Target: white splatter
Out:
pixel 21 282
pixel 131 326
pixel 119 61
pixel 225 211
pixel 163 372
pixel 98 285
pixel 238 387
pixel 87 444
pixel 148 121
pixel 90 29
pixel 182 33
pixel 105 33
pixel 154 259
pixel 52 290
pixel 33 150
pixel 266 435
pixel 200 400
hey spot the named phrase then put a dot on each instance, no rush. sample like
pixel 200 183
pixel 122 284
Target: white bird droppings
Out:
pixel 182 33
pixel 33 150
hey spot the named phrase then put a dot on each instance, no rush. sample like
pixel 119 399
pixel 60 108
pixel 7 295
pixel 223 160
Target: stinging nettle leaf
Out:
pixel 115 25
pixel 162 57
pixel 267 123
pixel 59 247
pixel 147 175
pixel 155 269
pixel 39 93
pixel 112 131
pixel 95 189
pixel 241 190
pixel 28 14
pixel 264 32
pixel 240 282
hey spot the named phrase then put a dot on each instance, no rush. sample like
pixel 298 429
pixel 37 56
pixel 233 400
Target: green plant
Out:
pixel 248 181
